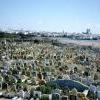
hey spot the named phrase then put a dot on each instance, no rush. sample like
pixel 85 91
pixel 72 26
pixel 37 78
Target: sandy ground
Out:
pixel 81 42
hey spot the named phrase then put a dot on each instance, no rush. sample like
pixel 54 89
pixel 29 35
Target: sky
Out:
pixel 50 15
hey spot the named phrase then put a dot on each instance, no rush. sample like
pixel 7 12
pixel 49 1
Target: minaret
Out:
pixel 63 32
pixel 88 31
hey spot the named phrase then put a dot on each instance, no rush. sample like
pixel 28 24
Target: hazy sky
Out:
pixel 50 15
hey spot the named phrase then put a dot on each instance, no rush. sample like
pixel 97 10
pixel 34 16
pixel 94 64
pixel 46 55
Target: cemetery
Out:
pixel 48 71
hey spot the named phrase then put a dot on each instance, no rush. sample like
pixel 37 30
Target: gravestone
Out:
pixel 72 97
pixel 64 98
pixel 4 86
pixel 55 96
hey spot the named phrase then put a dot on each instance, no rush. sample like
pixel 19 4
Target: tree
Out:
pixel 44 89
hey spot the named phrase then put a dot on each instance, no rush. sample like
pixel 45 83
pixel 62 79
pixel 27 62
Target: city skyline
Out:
pixel 50 15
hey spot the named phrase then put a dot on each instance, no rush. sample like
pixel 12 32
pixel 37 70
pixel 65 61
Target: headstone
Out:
pixel 98 95
pixel 4 86
pixel 26 95
pixel 37 94
pixel 72 97
pixel 20 94
pixel 55 96
pixel 64 98
pixel 32 92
